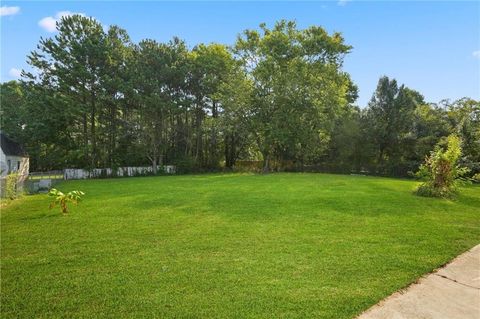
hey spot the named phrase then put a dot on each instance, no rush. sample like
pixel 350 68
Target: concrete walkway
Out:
pixel 451 292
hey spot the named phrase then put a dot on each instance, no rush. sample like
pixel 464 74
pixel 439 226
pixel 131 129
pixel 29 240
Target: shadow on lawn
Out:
pixel 468 200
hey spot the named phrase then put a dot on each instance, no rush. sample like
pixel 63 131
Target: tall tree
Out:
pixel 95 99
pixel 72 63
pixel 390 117
pixel 116 83
pixel 210 68
pixel 236 94
pixel 157 67
pixel 298 87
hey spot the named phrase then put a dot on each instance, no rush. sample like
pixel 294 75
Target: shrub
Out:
pixel 11 187
pixel 441 172
pixel 186 165
pixel 62 199
pixel 476 178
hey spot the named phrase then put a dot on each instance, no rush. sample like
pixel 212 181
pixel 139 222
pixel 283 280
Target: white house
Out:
pixel 13 157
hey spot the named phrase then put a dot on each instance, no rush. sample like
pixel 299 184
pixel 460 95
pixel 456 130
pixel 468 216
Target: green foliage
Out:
pixel 95 99
pixel 476 178
pixel 62 199
pixel 441 171
pixel 298 89
pixel 12 111
pixel 158 70
pixel 185 165
pixel 11 186
pixel 464 116
pixel 389 122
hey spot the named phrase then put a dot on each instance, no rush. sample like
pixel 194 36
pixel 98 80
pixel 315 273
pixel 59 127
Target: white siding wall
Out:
pixel 19 165
pixel 21 168
pixel 3 163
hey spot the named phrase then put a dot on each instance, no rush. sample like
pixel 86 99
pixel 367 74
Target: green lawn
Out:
pixel 227 246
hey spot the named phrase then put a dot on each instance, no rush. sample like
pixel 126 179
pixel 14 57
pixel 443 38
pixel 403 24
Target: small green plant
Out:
pixel 62 199
pixel 441 172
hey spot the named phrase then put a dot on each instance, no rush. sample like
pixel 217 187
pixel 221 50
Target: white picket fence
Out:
pixel 78 173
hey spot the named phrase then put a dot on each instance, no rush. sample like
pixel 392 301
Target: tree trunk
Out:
pixel 213 139
pixel 154 165
pixel 185 134
pixel 266 164
pixel 380 160
pixel 93 131
pixel 229 151
pixel 113 135
pixel 198 129
pixel 154 148
pixel 85 138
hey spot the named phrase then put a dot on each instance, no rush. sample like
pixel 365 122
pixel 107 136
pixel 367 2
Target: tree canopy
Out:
pixel 278 95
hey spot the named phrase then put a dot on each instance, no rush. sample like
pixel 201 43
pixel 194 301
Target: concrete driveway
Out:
pixel 451 292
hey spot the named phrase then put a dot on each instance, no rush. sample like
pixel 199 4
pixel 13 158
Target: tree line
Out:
pixel 279 95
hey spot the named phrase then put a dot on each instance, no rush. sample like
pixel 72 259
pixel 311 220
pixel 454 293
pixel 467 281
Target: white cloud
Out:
pixel 476 54
pixel 15 73
pixel 9 11
pixel 343 2
pixel 50 23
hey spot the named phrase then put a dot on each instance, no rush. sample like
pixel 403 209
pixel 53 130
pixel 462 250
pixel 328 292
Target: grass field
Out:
pixel 227 246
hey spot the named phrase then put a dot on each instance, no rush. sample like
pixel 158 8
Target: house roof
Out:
pixel 10 147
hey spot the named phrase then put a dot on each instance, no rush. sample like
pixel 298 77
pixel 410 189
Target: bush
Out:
pixel 186 165
pixel 441 172
pixel 11 187
pixel 476 178
pixel 248 166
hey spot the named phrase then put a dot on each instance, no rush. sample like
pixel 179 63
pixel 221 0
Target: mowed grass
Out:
pixel 227 246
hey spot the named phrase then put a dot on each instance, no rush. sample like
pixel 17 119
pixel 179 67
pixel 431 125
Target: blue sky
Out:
pixel 432 47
